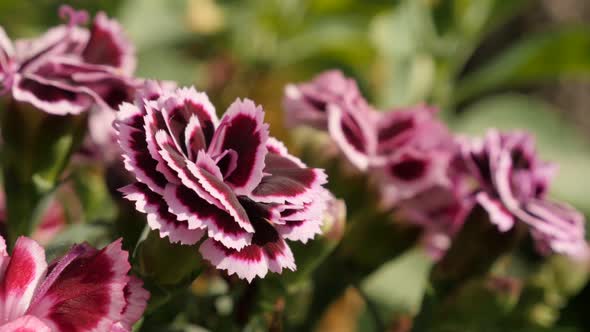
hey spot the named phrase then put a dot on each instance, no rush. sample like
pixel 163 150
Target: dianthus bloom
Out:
pixel 408 148
pixel 513 186
pixel 408 152
pixel 85 290
pixel 224 178
pixel 69 69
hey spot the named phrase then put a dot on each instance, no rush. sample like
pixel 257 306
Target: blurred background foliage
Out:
pixel 484 63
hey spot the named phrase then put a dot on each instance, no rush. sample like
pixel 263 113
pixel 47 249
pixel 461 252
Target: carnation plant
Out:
pixel 326 167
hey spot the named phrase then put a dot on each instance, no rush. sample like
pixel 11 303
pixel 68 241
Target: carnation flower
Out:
pixel 408 148
pixel 408 152
pixel 514 185
pixel 68 69
pixel 224 178
pixel 414 153
pixel 334 103
pixel 85 290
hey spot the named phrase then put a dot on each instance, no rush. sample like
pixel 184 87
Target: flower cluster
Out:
pixel 224 178
pixel 57 297
pixel 426 174
pixel 69 68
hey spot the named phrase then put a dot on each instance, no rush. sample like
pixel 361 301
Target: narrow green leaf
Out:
pixel 399 284
pixel 562 53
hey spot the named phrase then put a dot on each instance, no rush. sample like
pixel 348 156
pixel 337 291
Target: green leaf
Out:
pixel 97 235
pixel 405 37
pixel 557 140
pixel 400 284
pixel 91 190
pixel 151 23
pixel 57 138
pixel 561 53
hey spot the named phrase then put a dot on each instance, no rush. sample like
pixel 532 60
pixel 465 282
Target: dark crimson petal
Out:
pixel 22 276
pixel 136 155
pixel 198 104
pixel 242 130
pixel 178 110
pixel 279 157
pixel 307 103
pixel 153 122
pixel 51 97
pixel 135 302
pixel 158 215
pixel 112 90
pixel 397 128
pixel 194 139
pixel 222 227
pixel 411 171
pixel 222 192
pixel 61 40
pixel 303 224
pixel 108 46
pixel 227 162
pixel 247 263
pixel 93 279
pixel 294 185
pixel 352 134
pixel 556 226
pixel 250 261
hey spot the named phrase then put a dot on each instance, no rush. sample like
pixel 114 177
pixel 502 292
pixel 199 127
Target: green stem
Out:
pixel 422 321
pixel 372 309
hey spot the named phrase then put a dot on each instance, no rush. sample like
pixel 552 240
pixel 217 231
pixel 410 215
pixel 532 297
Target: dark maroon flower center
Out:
pixel 409 169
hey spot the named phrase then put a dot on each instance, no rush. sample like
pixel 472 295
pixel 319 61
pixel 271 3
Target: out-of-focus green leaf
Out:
pixel 471 18
pixel 479 302
pixel 94 195
pixel 405 37
pixel 327 36
pixel 97 235
pixel 562 53
pixel 168 63
pixel 399 284
pixel 151 23
pixel 57 138
pixel 557 140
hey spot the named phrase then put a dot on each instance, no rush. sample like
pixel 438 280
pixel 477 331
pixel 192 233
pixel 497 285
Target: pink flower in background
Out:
pixel 513 186
pixel 224 178
pixel 441 211
pixel 85 290
pixel 101 141
pixel 414 153
pixel 69 69
pixel 409 148
pixel 408 152
pixel 334 103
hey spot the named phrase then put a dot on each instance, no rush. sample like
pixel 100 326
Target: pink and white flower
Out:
pixel 408 152
pixel 226 179
pixel 513 187
pixel 85 290
pixel 334 103
pixel 69 68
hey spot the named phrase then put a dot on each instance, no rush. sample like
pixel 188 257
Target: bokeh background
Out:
pixel 484 63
